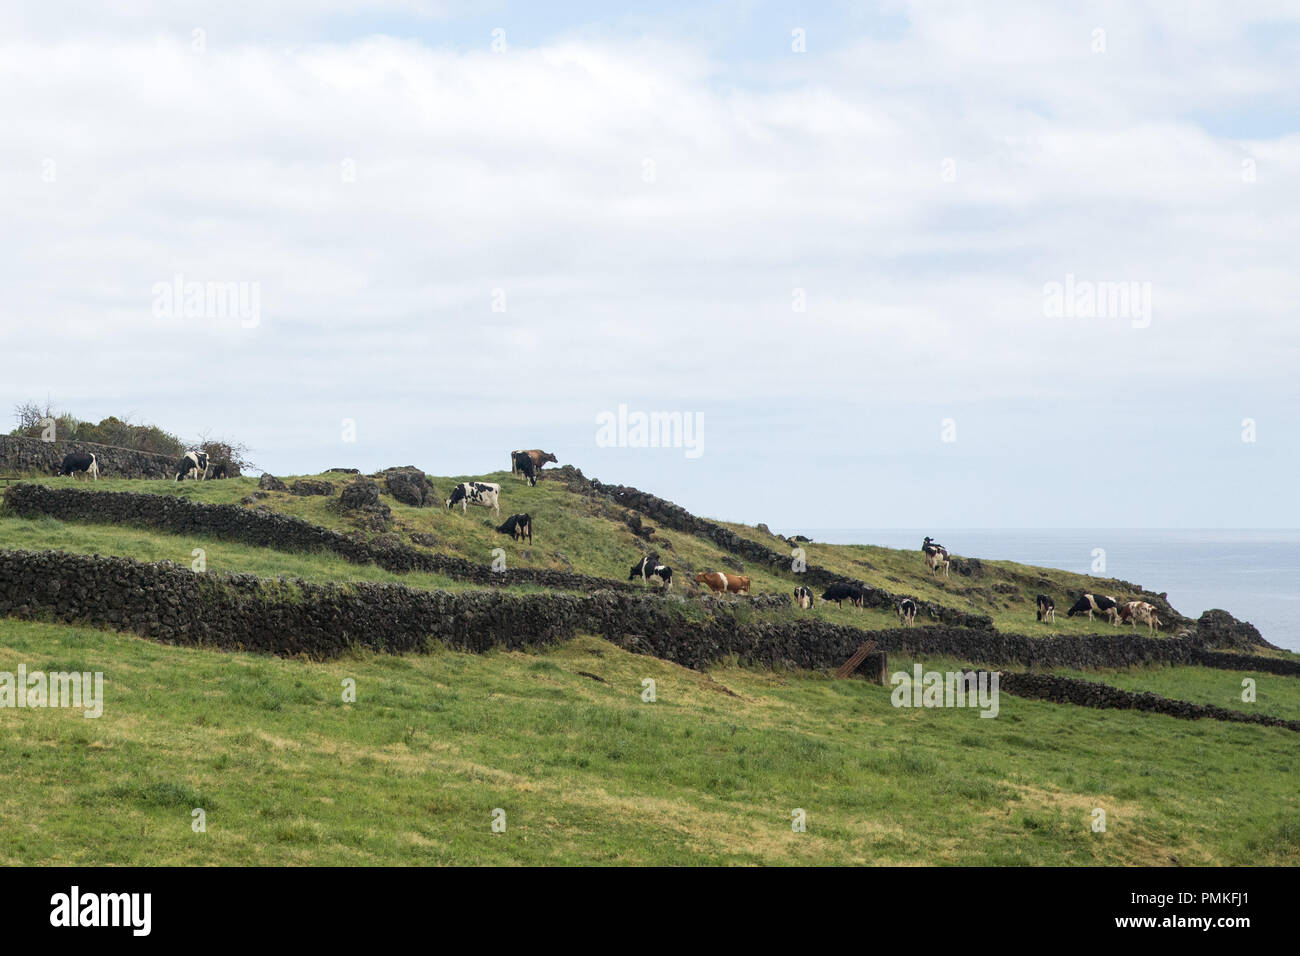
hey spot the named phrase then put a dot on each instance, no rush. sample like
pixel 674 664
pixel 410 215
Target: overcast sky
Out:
pixel 831 233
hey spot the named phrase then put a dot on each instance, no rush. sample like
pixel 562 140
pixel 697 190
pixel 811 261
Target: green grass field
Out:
pixel 584 769
pixel 587 772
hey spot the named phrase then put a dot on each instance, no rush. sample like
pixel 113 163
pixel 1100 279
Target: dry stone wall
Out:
pixel 173 604
pixel 26 455
pixel 1083 693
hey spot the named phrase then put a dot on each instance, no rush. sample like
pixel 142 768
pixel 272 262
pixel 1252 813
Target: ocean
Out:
pixel 1254 575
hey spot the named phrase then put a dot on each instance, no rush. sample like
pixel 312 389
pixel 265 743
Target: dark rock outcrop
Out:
pixel 360 501
pixel 309 487
pixel 1219 629
pixel 410 486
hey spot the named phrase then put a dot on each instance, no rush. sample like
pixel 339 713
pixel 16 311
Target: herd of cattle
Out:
pixel 529 463
pixel 936 557
pixel 194 464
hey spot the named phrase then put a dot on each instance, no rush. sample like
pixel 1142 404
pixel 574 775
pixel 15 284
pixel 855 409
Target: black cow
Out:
pixel 523 462
pixel 82 462
pixel 649 567
pixel 518 527
pixel 842 591
pixel 1046 608
pixel 906 611
pixel 803 596
pixel 193 465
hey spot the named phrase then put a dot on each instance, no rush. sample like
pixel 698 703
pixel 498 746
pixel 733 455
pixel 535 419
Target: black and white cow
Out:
pixel 906 611
pixel 80 462
pixel 803 596
pixel 485 493
pixel 523 462
pixel 518 527
pixel 936 556
pixel 842 591
pixel 649 567
pixel 193 465
pixel 1098 603
pixel 1046 608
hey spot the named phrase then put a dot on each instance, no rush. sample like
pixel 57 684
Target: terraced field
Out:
pixel 566 746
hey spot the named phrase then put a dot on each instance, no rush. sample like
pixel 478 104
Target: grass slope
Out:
pixel 590 536
pixel 587 772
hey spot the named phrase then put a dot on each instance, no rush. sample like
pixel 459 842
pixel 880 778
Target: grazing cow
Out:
pixel 539 458
pixel 722 583
pixel 803 596
pixel 649 567
pixel 1140 612
pixel 907 611
pixel 193 465
pixel 1046 608
pixel 842 591
pixel 1099 603
pixel 523 464
pixel 518 527
pixel 80 462
pixel 936 556
pixel 485 493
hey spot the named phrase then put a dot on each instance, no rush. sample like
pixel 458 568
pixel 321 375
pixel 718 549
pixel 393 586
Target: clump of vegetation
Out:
pixel 37 420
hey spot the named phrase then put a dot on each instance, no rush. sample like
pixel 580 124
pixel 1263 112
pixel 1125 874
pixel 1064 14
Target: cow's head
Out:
pixel 547 456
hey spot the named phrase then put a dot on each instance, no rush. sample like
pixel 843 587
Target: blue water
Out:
pixel 1255 575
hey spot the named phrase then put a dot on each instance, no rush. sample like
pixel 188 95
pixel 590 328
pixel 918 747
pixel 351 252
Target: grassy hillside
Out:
pixel 589 535
pixel 587 772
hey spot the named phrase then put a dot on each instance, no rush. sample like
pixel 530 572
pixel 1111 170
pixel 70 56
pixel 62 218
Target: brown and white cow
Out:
pixel 1140 612
pixel 803 596
pixel 720 583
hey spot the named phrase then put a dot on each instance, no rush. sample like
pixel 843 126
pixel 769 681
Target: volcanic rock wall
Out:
pixel 25 455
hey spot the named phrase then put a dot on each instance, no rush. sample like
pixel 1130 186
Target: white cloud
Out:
pixel 524 172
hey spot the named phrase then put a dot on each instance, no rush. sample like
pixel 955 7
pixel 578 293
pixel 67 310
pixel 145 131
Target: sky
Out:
pixel 854 245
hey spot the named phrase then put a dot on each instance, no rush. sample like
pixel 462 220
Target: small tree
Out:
pixel 31 417
pixel 234 455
